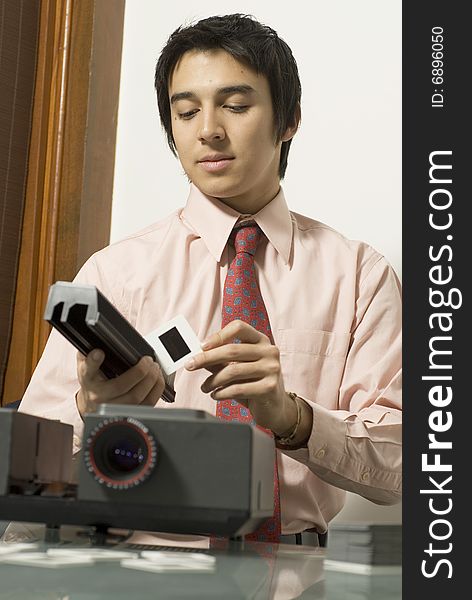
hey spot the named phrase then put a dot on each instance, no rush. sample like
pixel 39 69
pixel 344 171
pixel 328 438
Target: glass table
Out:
pixel 229 570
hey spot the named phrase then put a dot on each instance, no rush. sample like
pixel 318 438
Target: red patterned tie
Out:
pixel 242 300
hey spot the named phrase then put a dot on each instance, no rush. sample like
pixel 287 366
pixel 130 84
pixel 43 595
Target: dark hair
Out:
pixel 248 41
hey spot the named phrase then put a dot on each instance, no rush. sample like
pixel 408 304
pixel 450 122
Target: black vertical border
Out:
pixel 427 129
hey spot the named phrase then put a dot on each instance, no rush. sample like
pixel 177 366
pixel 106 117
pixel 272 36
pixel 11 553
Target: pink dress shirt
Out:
pixel 335 312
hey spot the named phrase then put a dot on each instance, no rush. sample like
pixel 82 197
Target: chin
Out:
pixel 218 188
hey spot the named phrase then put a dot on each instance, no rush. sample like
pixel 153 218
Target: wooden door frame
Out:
pixel 70 168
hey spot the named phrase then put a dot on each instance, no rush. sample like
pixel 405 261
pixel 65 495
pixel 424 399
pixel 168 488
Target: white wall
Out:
pixel 345 161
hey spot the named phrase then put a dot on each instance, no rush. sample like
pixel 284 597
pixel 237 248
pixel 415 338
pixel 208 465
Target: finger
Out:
pixel 139 392
pixel 225 355
pixel 88 367
pixel 240 391
pixel 215 368
pixel 234 372
pixel 235 329
pixel 127 381
pixel 155 394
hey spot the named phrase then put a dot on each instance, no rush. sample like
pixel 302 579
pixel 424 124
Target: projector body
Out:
pixel 143 468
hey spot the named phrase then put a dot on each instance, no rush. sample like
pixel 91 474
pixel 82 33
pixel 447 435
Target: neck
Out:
pixel 249 204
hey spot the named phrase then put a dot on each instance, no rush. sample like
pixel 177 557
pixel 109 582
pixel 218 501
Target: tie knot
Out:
pixel 246 238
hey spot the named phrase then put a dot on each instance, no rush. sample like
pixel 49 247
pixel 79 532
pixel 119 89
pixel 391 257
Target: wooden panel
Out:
pixel 95 217
pixel 19 25
pixel 69 188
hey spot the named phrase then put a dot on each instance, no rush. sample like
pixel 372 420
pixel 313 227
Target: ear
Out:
pixel 292 129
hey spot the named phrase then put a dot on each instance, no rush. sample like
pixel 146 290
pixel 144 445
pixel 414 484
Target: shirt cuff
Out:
pixel 326 456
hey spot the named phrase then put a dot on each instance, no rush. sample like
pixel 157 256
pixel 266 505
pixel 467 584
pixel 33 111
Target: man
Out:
pixel 320 366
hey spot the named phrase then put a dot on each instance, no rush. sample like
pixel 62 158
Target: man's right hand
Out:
pixel 141 384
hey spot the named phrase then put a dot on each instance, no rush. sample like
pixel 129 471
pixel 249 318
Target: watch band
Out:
pixel 286 439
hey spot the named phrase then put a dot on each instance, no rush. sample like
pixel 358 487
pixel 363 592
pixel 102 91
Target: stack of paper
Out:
pixel 365 543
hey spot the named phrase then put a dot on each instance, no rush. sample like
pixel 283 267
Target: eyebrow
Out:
pixel 223 91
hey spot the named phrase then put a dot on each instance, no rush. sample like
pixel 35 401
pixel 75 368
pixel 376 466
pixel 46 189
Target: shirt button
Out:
pixel 320 453
pixel 365 476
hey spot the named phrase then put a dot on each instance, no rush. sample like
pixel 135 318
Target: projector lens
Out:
pixel 120 452
pixel 125 456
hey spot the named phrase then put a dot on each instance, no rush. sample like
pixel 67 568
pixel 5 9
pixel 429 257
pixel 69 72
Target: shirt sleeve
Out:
pixel 359 446
pixel 54 384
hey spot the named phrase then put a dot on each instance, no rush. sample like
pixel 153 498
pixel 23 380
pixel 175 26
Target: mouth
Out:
pixel 215 162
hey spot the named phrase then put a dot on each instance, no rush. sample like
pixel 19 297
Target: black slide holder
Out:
pixel 84 316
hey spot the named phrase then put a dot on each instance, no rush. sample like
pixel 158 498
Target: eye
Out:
pixel 236 107
pixel 187 115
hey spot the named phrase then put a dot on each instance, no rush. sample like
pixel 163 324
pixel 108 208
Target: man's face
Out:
pixel 223 128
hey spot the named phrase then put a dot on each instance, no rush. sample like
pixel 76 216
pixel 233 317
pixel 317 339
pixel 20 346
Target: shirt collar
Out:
pixel 213 221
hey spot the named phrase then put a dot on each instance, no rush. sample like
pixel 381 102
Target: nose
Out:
pixel 211 128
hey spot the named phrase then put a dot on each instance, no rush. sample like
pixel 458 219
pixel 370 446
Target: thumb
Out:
pixel 94 361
